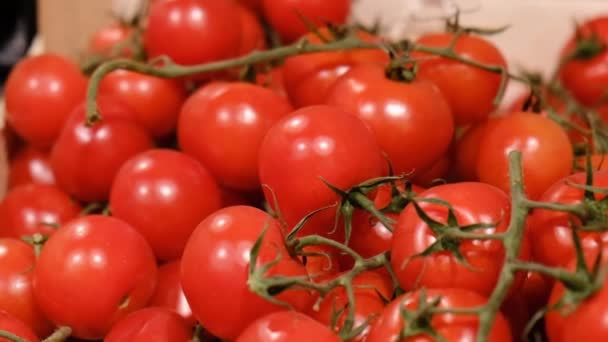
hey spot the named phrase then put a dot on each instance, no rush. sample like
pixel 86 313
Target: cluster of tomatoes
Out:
pixel 142 226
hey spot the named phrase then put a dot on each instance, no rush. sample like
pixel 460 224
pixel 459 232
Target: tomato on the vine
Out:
pixel 401 115
pixel 169 292
pixel 30 165
pixel 85 159
pixel 107 38
pixel 40 93
pixel 466 149
pixel 219 252
pixel 287 326
pixel 547 154
pixel 155 101
pixel 13 325
pixel 252 34
pixel 288 17
pixel 223 124
pixel 92 272
pixel 17 262
pixel 452 327
pixel 150 324
pixel 164 194
pixel 35 208
pixel 471 203
pixel 469 90
pixel 309 77
pixel 308 146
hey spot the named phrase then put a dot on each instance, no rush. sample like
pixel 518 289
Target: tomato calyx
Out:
pixel 37 240
pixel 418 322
pixel 586 47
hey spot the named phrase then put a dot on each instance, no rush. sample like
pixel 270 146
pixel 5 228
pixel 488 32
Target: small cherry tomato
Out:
pixel 287 326
pixel 30 165
pixel 150 324
pixel 252 35
pixel 104 40
pixel 466 150
pixel 169 292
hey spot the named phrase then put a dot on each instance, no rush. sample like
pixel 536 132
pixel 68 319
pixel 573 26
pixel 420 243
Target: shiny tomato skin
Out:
pixel 174 26
pixel 35 208
pixel 85 159
pixel 155 101
pixel 309 77
pixel 252 35
pixel 150 324
pixel 469 90
pixel 546 152
pixel 287 326
pixel 98 260
pixel 223 124
pixel 400 114
pixel 587 79
pixel 466 150
pixel 106 38
pixel 30 165
pixel 17 261
pixel 169 292
pixel 164 194
pixel 15 326
pixel 472 203
pixel 452 327
pixel 283 15
pixel 310 143
pixel 40 93
pixel 218 251
pixel 551 230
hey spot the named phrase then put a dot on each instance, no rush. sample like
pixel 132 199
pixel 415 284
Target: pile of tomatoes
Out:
pixel 149 224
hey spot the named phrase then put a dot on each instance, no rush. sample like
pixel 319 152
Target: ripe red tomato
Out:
pixel 155 101
pixel 99 261
pixel 150 324
pixel 452 327
pixel 193 31
pixel 472 203
pixel 309 77
pixel 14 326
pixel 40 92
pixel 106 38
pixel 17 260
pixel 287 326
pixel 551 230
pixel 169 292
pixel 469 90
pixel 283 15
pixel 546 152
pixel 35 208
pixel 273 80
pixel 252 35
pixel 323 262
pixel 85 159
pixel 223 125
pixel 400 114
pixel 586 77
pixel 466 149
pixel 218 252
pixel 436 172
pixel 310 143
pixel 30 165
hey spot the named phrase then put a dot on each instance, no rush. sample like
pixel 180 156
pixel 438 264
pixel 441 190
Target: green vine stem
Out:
pixel 11 337
pixel 59 335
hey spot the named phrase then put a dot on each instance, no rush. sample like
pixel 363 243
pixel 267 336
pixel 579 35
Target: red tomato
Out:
pixel 545 147
pixel 287 326
pixel 400 114
pixel 472 203
pixel 35 208
pixel 30 165
pixel 322 263
pixel 252 35
pixel 16 327
pixel 218 252
pixel 599 162
pixel 164 194
pixel 223 125
pixel 106 38
pixel 99 261
pixel 86 159
pixel 586 77
pixel 283 15
pixel 469 90
pixel 310 143
pixel 169 292
pixel 466 149
pixel 254 5
pixel 273 80
pixel 150 324
pixel 436 172
pixel 155 101
pixel 309 77
pixel 17 260
pixel 193 31
pixel 452 327
pixel 551 230
pixel 40 92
